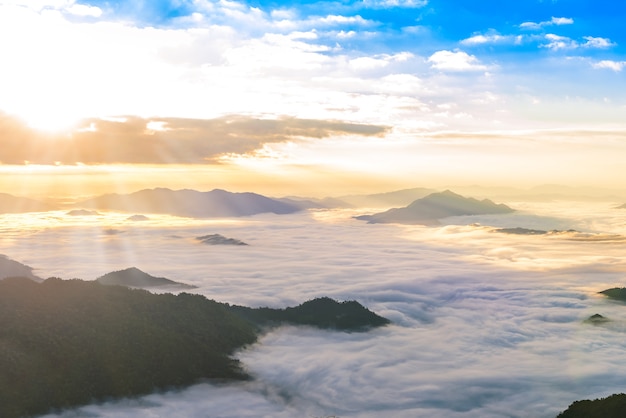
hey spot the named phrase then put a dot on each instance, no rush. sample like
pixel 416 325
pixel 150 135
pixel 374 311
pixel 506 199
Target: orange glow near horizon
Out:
pixel 74 182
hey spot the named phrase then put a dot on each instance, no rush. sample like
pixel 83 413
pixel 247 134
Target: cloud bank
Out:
pixel 484 324
pixel 130 140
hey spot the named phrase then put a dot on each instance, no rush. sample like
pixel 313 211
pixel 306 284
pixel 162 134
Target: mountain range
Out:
pixel 221 203
pixel 376 200
pixel 16 204
pixel 395 198
pixel 190 203
pixel 430 209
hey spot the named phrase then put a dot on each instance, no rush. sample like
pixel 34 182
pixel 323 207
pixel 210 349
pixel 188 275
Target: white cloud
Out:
pixel 66 6
pixel 600 43
pixel 226 49
pixel 395 3
pixel 530 25
pixel 561 21
pixel 557 42
pixel 455 61
pixel 611 65
pixel 345 34
pixel 84 10
pixel 310 35
pixel 39 4
pixel 379 61
pixel 342 20
pixel 491 38
pixel 554 21
pixel 255 61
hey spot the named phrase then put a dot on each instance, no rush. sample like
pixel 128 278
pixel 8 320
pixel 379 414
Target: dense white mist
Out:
pixel 485 324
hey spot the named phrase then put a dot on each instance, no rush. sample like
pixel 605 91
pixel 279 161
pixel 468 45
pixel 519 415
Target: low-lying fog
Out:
pixel 485 324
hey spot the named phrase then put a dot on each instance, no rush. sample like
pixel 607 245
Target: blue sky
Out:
pixel 448 21
pixel 488 86
pixel 561 40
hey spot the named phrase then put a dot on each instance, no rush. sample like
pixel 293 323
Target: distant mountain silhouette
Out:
pixel 133 277
pixel 395 198
pixel 521 231
pixel 561 192
pixel 191 203
pixel 82 212
pixel 304 203
pixel 545 193
pixel 376 200
pixel 435 206
pixel 12 268
pixel 15 204
pixel 526 231
pixel 138 218
pixel 217 239
pixel 622 206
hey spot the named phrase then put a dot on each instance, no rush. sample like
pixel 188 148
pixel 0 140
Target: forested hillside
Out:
pixel 65 343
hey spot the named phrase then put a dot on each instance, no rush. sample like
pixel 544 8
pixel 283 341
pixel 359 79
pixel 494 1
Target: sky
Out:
pixel 343 96
pixel 325 98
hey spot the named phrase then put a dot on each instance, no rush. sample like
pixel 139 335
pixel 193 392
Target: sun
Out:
pixel 51 120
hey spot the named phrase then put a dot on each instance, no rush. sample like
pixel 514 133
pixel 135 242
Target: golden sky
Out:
pixel 293 99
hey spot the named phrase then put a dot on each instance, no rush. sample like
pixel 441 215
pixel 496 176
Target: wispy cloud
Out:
pixel 555 21
pixel 492 38
pixel 597 42
pixel 66 6
pixel 395 3
pixel 556 42
pixel 616 66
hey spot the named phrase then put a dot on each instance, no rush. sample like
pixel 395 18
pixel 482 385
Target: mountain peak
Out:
pixel 447 192
pixel 428 210
pixel 191 203
pixel 133 277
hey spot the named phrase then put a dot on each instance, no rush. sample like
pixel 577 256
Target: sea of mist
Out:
pixel 485 324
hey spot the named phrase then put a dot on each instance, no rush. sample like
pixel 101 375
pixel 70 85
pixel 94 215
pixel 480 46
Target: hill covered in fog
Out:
pixel 17 204
pixel 386 199
pixel 190 203
pixel 375 200
pixel 65 343
pixel 12 268
pixel 430 209
pixel 133 277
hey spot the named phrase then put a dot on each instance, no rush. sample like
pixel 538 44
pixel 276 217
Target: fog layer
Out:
pixel 485 324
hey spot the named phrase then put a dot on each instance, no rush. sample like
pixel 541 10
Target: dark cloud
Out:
pixel 136 140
